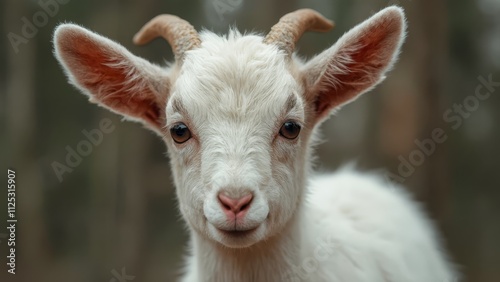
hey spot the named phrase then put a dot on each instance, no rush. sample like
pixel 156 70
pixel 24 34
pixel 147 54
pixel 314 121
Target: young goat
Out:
pixel 238 114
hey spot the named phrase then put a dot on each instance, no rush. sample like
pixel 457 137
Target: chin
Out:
pixel 236 239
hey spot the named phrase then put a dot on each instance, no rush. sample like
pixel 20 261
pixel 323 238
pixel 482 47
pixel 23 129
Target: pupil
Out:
pixel 180 130
pixel 290 126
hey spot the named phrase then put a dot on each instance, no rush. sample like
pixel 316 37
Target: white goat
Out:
pixel 238 114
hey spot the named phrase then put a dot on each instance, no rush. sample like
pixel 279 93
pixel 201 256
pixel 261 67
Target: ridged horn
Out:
pixel 179 33
pixel 291 26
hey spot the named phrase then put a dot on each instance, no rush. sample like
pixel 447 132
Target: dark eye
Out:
pixel 290 130
pixel 180 133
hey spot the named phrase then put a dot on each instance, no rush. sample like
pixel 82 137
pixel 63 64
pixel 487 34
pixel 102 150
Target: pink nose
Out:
pixel 235 208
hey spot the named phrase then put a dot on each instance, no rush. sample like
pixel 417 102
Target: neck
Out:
pixel 271 260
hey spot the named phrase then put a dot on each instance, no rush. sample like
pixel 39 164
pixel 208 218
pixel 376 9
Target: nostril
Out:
pixel 235 205
pixel 244 207
pixel 225 206
pixel 226 202
pixel 245 202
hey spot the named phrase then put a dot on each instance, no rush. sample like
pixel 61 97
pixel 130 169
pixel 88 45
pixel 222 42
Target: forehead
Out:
pixel 235 75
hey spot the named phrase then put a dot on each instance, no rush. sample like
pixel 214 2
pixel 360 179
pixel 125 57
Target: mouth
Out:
pixel 237 233
pixel 234 237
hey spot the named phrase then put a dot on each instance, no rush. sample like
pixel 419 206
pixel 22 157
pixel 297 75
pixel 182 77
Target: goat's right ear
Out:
pixel 113 77
pixel 356 63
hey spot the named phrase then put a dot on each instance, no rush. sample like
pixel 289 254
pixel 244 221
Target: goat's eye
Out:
pixel 290 130
pixel 180 133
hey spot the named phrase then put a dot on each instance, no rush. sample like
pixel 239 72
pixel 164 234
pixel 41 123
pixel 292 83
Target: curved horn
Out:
pixel 291 26
pixel 179 33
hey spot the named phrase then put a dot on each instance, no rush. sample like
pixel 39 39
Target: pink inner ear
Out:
pixel 370 51
pixel 109 78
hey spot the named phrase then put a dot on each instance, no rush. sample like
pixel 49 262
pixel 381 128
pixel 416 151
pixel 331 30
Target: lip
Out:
pixel 237 233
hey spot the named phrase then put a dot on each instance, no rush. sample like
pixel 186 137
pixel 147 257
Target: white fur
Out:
pixel 352 227
pixel 232 93
pixel 372 233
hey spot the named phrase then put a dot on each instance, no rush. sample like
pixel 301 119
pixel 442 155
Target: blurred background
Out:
pixel 115 212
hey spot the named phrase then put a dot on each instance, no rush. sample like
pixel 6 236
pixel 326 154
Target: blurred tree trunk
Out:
pixel 120 237
pixel 432 70
pixel 412 104
pixel 32 255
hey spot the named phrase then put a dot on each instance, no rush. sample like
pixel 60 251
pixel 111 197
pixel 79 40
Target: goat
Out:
pixel 239 115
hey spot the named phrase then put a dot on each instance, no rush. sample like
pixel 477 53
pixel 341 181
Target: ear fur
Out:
pixel 111 76
pixel 356 63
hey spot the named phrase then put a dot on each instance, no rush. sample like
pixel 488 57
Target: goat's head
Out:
pixel 236 112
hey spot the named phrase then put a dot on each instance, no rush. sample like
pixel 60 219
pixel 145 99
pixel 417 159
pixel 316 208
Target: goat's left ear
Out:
pixel 356 63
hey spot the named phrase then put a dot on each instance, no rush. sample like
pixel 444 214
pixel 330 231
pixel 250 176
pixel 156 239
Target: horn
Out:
pixel 179 33
pixel 291 26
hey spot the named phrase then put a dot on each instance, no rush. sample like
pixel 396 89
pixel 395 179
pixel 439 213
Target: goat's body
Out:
pixel 372 230
pixel 353 227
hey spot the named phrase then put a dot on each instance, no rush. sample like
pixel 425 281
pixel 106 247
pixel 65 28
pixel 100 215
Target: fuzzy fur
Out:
pixel 234 93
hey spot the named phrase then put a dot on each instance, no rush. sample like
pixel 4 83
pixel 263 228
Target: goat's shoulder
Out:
pixel 367 202
pixel 370 228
